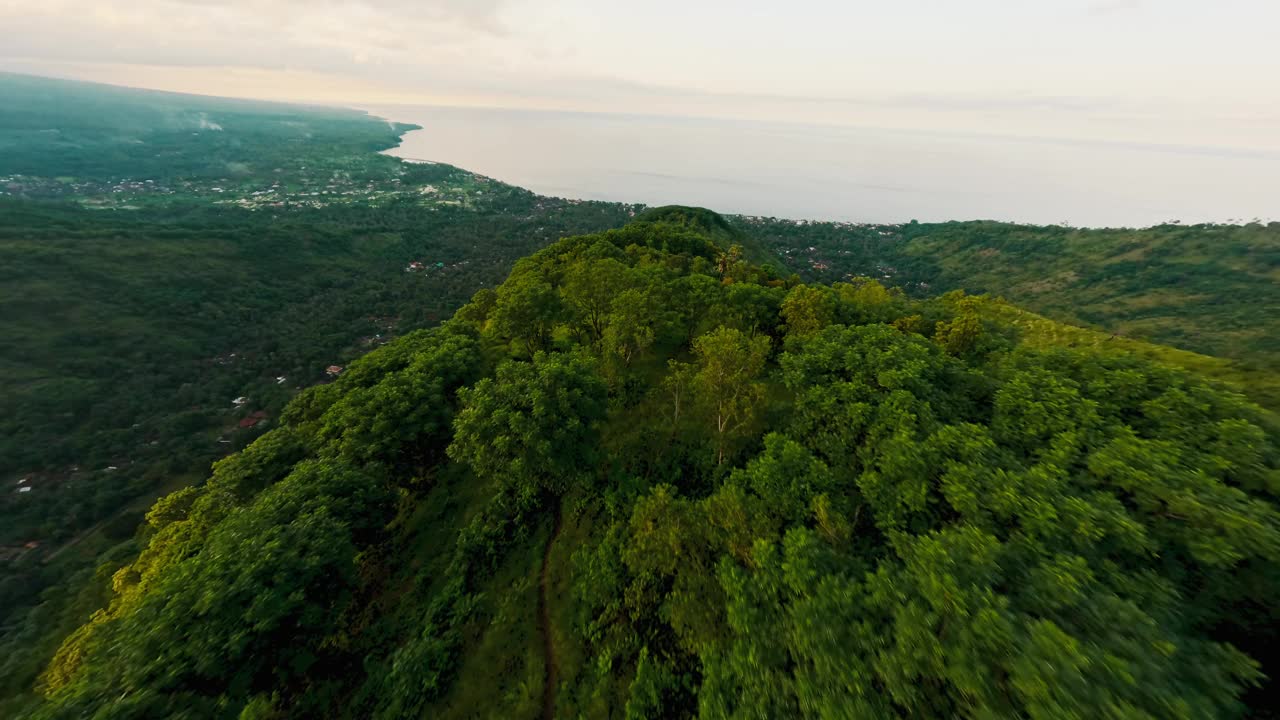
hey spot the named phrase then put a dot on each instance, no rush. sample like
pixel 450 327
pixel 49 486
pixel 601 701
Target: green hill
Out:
pixel 82 131
pixel 711 225
pixel 1210 289
pixel 646 478
pixel 162 255
pixel 651 474
pixel 173 269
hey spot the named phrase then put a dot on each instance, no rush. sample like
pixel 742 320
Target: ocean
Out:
pixel 871 174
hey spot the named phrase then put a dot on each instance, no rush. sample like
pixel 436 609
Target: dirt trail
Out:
pixel 544 624
pixel 81 536
pixel 143 504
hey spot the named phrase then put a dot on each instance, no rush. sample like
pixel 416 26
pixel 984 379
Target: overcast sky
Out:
pixel 1185 72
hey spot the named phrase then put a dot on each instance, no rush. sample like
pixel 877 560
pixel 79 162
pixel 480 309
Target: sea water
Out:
pixel 847 173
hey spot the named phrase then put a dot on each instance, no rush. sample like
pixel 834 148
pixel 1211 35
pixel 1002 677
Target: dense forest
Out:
pixel 84 132
pixel 1210 289
pixel 647 477
pixel 131 334
pixel 164 294
pixel 689 465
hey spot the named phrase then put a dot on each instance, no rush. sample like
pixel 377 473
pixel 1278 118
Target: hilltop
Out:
pixel 645 476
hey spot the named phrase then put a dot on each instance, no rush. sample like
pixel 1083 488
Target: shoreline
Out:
pixel 711 192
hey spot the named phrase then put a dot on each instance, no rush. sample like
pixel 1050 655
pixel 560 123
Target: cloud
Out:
pixel 478 14
pixel 1048 68
pixel 315 35
pixel 1109 7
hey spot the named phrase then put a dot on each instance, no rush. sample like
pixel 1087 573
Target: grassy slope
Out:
pixel 1263 386
pixel 1211 289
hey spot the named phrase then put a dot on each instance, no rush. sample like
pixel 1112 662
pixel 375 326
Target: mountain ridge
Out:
pixel 708 431
pixel 418 553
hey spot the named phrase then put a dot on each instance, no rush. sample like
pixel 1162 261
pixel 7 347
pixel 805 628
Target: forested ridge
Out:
pixel 769 498
pixel 173 269
pixel 654 473
pixel 1209 289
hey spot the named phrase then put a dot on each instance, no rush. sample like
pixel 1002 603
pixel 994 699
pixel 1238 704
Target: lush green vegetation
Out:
pixel 651 474
pixel 646 477
pixel 74 131
pixel 132 333
pixel 151 273
pixel 1211 289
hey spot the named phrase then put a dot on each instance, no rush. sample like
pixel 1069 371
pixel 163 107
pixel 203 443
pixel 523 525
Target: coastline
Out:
pixel 859 177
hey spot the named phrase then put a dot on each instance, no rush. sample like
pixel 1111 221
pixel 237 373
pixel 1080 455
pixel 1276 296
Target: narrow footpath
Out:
pixel 544 624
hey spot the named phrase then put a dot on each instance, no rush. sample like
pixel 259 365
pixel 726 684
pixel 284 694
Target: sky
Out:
pixel 1187 73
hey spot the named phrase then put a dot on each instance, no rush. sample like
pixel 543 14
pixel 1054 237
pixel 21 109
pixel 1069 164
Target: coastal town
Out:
pixel 280 189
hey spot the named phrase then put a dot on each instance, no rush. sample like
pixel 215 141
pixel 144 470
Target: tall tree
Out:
pixel 631 324
pixel 526 309
pixel 534 423
pixel 730 363
pixel 590 288
pixel 807 310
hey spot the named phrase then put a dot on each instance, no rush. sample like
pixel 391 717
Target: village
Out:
pixel 244 421
pixel 294 188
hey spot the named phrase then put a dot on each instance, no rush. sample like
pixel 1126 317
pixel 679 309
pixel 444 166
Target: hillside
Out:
pixel 173 269
pixel 162 255
pixel 645 477
pixel 64 133
pixel 1210 289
